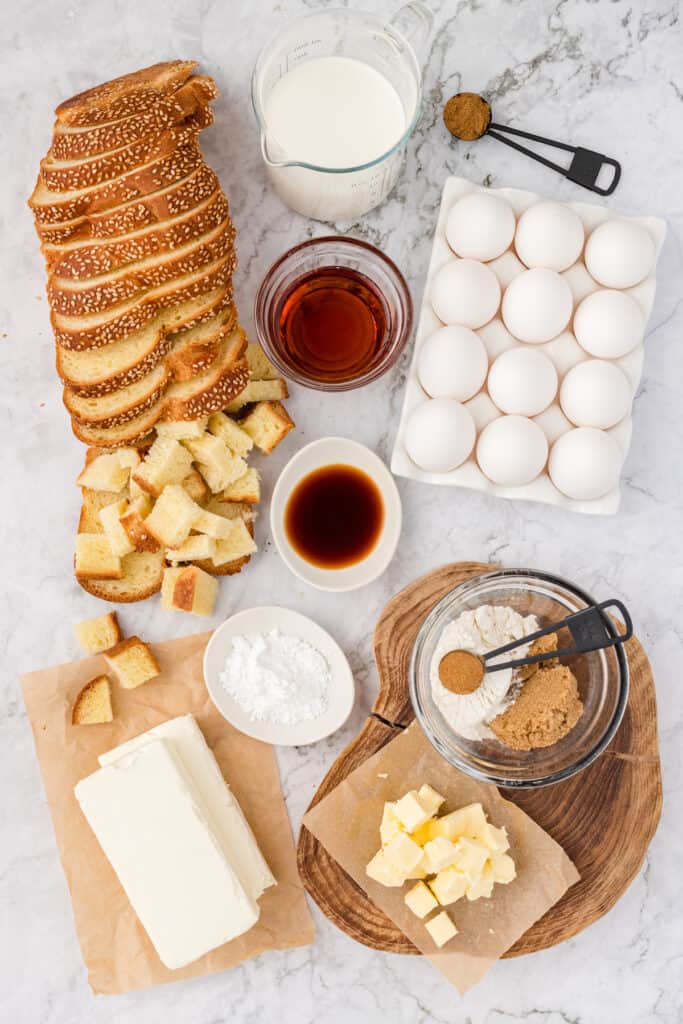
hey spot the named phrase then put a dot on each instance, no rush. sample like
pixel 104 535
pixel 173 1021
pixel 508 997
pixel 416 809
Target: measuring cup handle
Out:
pixel 623 611
pixel 414 22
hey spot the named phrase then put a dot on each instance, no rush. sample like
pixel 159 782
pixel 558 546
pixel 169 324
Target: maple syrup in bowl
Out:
pixel 333 313
pixel 335 514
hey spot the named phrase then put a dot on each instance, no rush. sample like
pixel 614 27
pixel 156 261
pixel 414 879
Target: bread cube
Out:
pixel 195 486
pixel 167 462
pixel 381 870
pixel 99 634
pixel 267 424
pixel 246 489
pixel 93 704
pixel 232 435
pixel 173 516
pixel 410 811
pixel 104 473
pixel 448 886
pixel 189 589
pixel 258 391
pixel 197 547
pixel 213 525
pixel 132 662
pixel 217 464
pixel 110 517
pixel 430 799
pixel 420 900
pixel 259 364
pixel 238 544
pixel 181 429
pixel 441 929
pixel 95 559
pixel 129 458
pixel 439 853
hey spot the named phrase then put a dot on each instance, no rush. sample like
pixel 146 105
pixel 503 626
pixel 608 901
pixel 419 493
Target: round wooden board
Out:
pixel 604 817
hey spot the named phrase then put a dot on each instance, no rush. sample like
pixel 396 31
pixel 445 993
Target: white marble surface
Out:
pixel 606 74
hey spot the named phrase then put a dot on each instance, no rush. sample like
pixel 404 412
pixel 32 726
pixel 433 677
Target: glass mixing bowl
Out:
pixel 602 678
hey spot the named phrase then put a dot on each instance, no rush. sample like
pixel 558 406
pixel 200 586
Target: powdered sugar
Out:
pixel 276 678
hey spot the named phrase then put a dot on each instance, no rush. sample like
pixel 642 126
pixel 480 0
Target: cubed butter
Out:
pixel 403 854
pixel 420 900
pixel 470 858
pixel 422 833
pixel 449 886
pixel 382 871
pixel 468 821
pixel 482 887
pixel 390 826
pixel 430 799
pixel 410 811
pixel 503 868
pixel 494 839
pixel 439 853
pixel 441 929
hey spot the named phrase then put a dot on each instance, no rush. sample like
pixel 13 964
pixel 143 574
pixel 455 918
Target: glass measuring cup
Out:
pixel 342 193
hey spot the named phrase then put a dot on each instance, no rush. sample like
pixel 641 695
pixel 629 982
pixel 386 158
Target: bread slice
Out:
pixel 99 634
pixel 119 407
pixel 189 589
pixel 93 704
pixel 94 558
pixel 111 367
pixel 78 260
pixel 259 391
pixel 126 94
pixel 50 207
pixel 168 202
pixel 67 175
pixel 81 142
pixel 196 348
pixel 141 575
pixel 259 363
pixel 267 424
pixel 132 662
pixel 197 397
pixel 75 298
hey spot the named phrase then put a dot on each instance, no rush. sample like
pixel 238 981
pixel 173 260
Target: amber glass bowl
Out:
pixel 334 252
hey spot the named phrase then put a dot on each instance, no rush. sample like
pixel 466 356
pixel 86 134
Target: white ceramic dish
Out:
pixel 564 351
pixel 262 620
pixel 331 451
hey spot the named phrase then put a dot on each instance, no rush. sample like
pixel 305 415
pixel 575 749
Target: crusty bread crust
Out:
pixel 126 94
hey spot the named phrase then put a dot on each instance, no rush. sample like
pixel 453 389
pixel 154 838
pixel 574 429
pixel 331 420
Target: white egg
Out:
pixel 585 463
pixel 609 324
pixel 620 253
pixel 465 292
pixel 522 381
pixel 439 435
pixel 512 451
pixel 596 393
pixel 480 226
pixel 549 235
pixel 537 305
pixel 452 363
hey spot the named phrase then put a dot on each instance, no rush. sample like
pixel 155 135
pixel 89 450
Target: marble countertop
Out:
pixel 605 74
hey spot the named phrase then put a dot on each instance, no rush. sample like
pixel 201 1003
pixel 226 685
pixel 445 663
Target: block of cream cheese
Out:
pixel 143 811
pixel 220 807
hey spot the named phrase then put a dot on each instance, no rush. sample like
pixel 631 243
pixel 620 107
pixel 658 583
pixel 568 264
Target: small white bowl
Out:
pixel 332 451
pixel 262 620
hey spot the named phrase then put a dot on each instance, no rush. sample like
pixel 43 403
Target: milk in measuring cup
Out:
pixel 337 113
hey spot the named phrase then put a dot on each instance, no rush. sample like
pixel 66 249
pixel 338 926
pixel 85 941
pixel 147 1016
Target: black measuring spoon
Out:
pixel 584 168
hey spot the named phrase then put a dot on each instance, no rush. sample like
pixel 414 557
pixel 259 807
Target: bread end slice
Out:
pixel 93 704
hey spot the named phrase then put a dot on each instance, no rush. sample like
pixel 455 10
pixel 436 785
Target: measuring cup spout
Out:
pixel 414 22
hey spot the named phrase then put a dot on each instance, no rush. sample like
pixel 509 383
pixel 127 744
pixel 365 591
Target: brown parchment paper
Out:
pixel 117 953
pixel 347 821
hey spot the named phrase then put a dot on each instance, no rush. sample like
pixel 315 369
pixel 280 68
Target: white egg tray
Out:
pixel 564 351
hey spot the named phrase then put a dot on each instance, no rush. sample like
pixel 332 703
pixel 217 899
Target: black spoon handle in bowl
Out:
pixel 584 169
pixel 590 628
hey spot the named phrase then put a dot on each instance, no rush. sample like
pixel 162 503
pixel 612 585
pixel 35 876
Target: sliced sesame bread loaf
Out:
pixel 126 94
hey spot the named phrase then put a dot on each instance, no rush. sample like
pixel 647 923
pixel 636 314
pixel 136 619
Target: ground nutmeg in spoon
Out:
pixel 467 116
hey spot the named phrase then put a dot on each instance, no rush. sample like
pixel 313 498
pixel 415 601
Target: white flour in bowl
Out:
pixel 276 678
pixel 479 631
